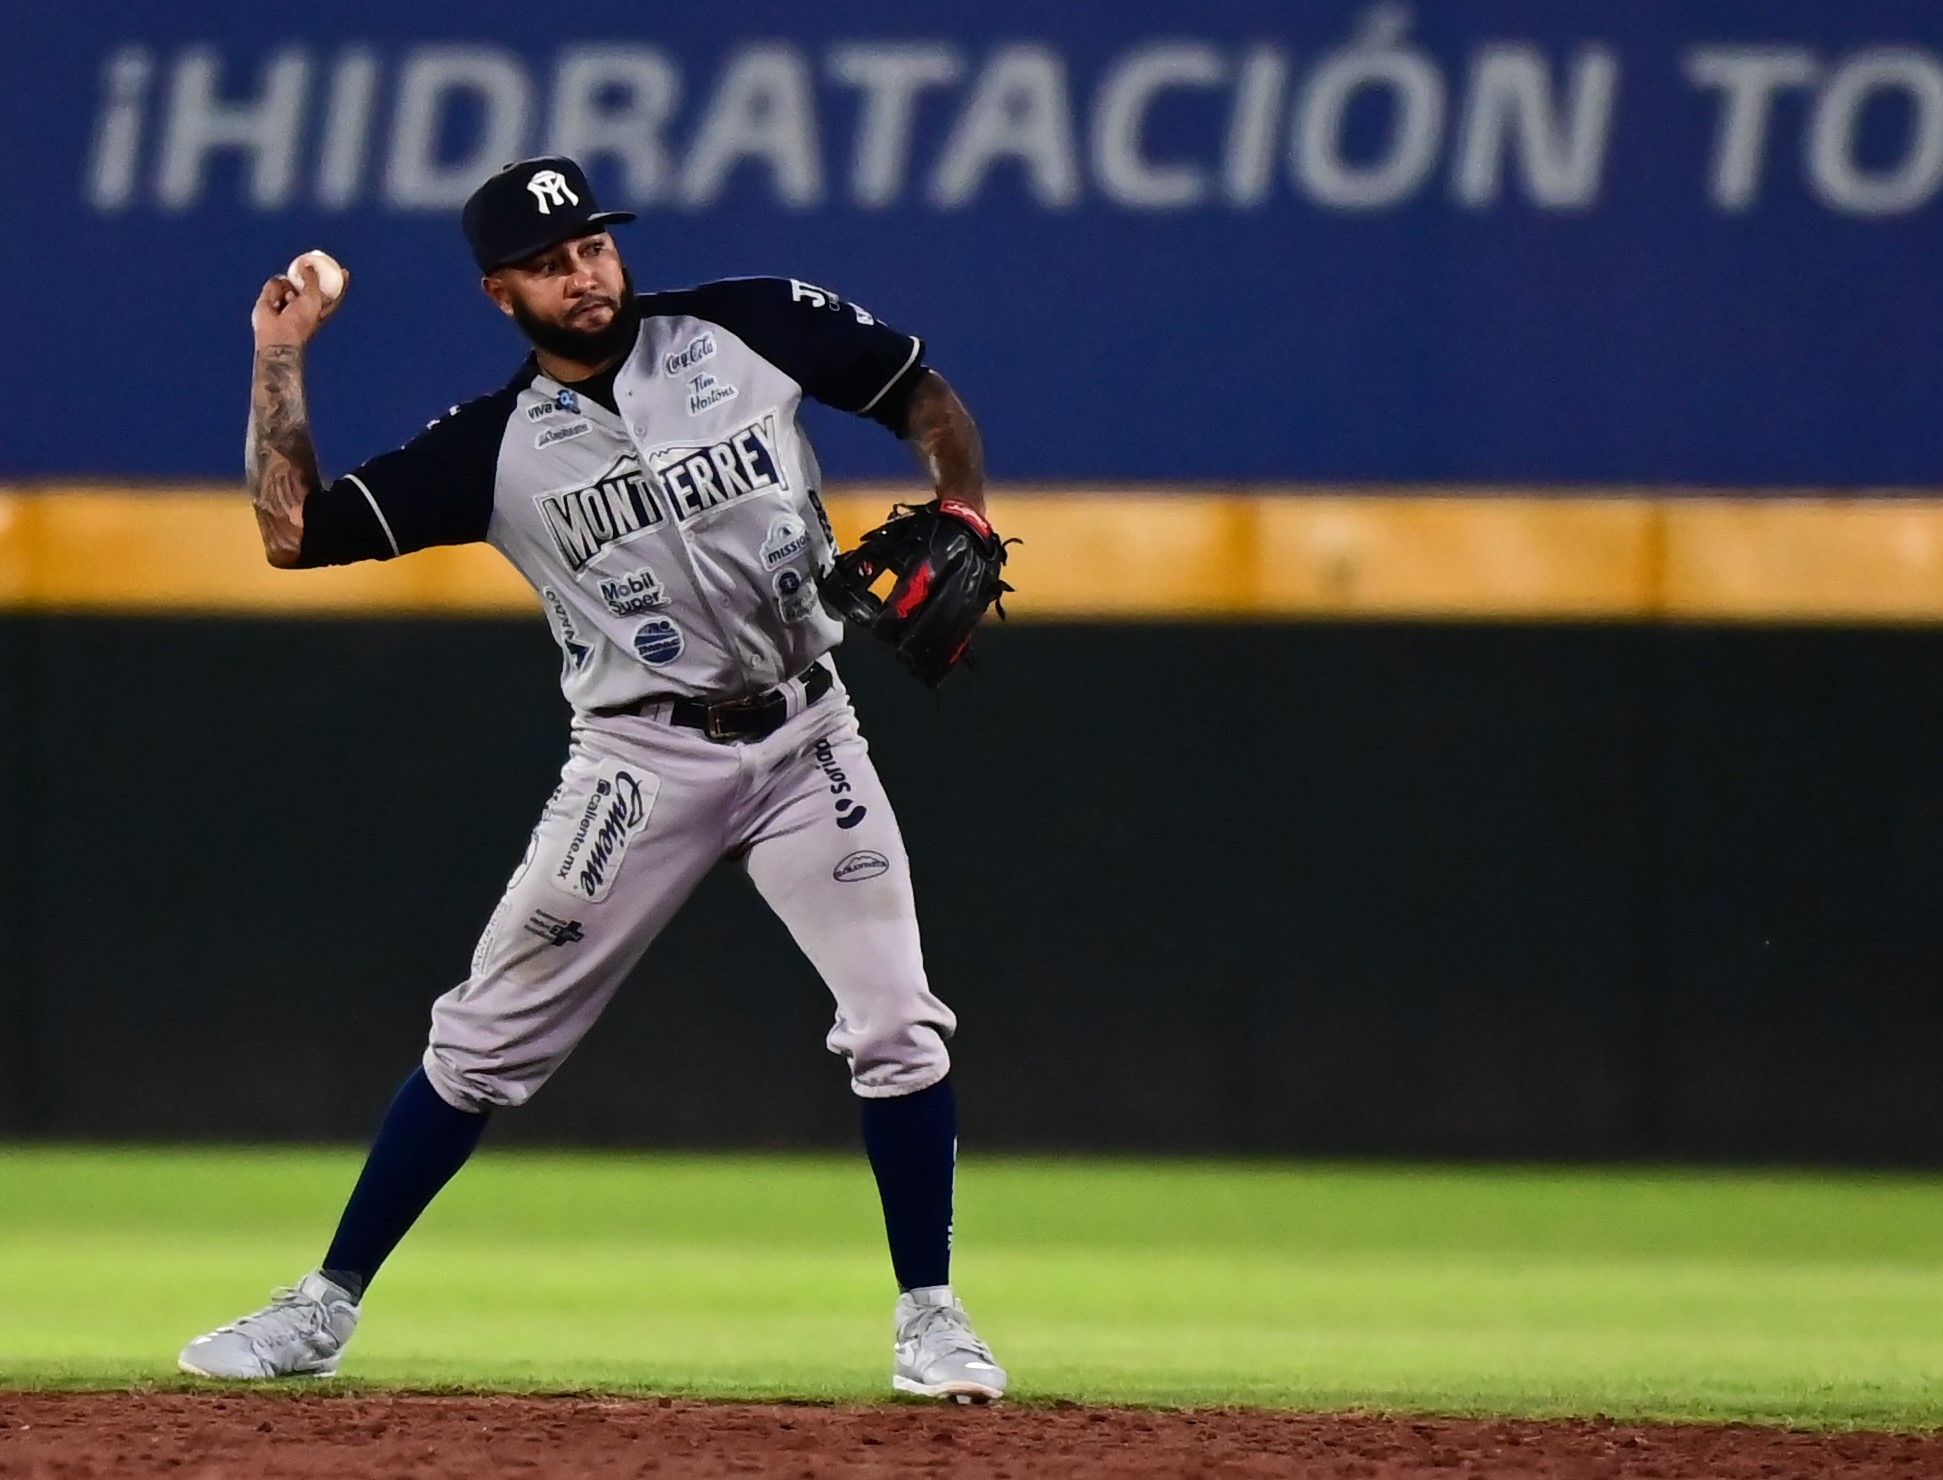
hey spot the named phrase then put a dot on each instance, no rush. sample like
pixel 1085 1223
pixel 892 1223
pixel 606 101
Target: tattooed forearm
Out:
pixel 279 457
pixel 947 439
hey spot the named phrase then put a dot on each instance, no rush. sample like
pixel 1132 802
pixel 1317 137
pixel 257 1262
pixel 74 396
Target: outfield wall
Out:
pixel 1474 684
pixel 1584 241
pixel 1479 886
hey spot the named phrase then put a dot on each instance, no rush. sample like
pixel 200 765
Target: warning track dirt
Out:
pixel 219 1435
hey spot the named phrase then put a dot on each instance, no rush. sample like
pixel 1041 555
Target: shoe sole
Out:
pixel 183 1364
pixel 958 1392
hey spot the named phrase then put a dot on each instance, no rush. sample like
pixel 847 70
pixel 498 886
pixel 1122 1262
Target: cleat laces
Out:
pixel 943 1330
pixel 291 1312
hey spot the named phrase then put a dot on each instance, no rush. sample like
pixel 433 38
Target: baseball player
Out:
pixel 647 472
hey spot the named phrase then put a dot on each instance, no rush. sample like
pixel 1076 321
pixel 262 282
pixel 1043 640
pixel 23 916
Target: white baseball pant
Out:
pixel 644 810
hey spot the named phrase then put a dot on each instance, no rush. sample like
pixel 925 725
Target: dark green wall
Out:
pixel 1449 890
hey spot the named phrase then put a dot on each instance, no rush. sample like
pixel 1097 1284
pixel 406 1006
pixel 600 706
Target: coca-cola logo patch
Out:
pixel 865 863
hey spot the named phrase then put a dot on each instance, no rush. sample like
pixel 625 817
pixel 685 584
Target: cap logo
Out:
pixel 550 189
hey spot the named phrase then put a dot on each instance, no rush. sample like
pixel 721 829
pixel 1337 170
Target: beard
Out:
pixel 586 346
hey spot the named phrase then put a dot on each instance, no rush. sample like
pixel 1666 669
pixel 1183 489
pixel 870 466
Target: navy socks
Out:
pixel 422 1142
pixel 912 1142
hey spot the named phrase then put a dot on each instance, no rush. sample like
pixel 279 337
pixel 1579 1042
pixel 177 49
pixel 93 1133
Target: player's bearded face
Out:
pixel 588 327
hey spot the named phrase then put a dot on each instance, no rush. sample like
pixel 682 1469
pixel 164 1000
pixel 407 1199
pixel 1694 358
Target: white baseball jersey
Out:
pixel 667 512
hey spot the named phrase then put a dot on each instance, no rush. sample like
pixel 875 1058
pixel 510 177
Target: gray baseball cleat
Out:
pixel 938 1355
pixel 302 1332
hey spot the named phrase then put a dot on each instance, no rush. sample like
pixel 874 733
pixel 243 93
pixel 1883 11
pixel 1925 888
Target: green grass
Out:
pixel 1772 1298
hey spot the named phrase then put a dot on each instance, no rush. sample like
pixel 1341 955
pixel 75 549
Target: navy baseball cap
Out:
pixel 529 206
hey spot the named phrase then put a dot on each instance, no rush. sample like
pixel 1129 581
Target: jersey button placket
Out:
pixel 704 596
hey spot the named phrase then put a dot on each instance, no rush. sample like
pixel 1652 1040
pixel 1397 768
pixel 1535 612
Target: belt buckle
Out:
pixel 714 719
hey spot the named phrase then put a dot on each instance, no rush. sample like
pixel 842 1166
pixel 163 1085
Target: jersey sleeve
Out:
pixel 435 490
pixel 839 353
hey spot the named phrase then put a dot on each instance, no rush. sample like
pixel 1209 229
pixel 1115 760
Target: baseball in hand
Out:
pixel 330 276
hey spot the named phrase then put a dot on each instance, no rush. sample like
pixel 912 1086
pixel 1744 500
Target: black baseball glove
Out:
pixel 947 561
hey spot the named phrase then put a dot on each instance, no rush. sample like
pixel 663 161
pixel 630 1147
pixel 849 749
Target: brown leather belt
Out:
pixel 752 718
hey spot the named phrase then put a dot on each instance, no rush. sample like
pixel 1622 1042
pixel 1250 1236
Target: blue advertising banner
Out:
pixel 1593 241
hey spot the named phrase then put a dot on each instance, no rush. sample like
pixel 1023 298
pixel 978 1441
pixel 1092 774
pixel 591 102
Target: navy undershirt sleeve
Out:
pixel 341 526
pixel 841 355
pixel 435 490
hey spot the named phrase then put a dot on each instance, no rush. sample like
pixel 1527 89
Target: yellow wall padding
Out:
pixel 1143 553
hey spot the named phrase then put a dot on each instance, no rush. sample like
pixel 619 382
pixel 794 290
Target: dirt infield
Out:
pixel 194 1436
